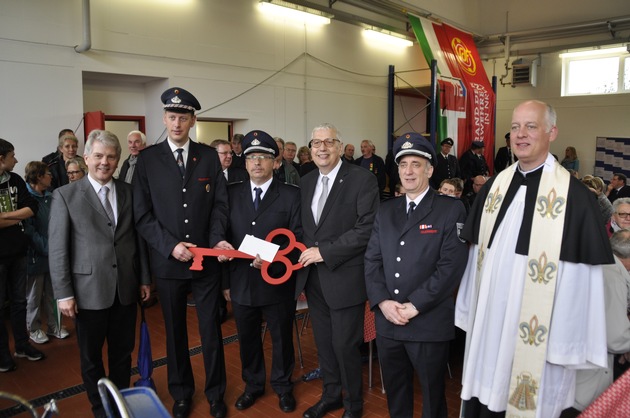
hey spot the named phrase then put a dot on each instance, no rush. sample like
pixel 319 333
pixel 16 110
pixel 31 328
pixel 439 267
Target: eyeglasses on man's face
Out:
pixel 73 173
pixel 623 215
pixel 316 143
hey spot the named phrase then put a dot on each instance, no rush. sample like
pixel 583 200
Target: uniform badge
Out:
pixel 407 145
pixel 176 100
pixel 460 226
pixel 255 142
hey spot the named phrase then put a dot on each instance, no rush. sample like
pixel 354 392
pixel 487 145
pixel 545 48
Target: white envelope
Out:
pixel 252 246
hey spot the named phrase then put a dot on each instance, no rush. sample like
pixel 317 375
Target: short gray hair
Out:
pixel 143 137
pixel 620 243
pixel 325 126
pixel 106 138
pixel 619 202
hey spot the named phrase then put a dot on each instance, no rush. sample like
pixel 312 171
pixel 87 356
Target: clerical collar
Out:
pixel 525 173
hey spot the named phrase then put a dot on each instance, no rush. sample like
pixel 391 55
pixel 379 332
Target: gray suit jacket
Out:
pixel 88 259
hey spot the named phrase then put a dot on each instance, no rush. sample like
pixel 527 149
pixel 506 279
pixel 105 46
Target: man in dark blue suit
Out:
pixel 339 202
pixel 259 206
pixel 447 166
pixel 413 264
pixel 180 201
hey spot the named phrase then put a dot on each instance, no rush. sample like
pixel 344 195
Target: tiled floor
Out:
pixel 59 376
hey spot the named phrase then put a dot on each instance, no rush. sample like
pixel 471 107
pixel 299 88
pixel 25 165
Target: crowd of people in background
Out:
pixel 402 234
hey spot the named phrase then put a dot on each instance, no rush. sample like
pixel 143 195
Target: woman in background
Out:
pixel 76 169
pixel 39 293
pixel 571 161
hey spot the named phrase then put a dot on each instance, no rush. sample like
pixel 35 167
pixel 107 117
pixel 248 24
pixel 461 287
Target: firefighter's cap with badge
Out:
pixel 259 141
pixel 413 143
pixel 178 100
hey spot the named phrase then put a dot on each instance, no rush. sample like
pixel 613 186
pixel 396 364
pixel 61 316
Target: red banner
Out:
pixel 481 99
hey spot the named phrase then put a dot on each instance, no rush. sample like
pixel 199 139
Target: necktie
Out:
pixel 102 195
pixel 412 206
pixel 258 191
pixel 322 198
pixel 180 161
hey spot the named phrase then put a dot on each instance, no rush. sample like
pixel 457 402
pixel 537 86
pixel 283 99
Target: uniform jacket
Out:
pixel 447 168
pixel 236 174
pixel 279 208
pixel 472 165
pixel 419 260
pixel 88 259
pixel 169 209
pixel 502 160
pixel 377 168
pixel 342 233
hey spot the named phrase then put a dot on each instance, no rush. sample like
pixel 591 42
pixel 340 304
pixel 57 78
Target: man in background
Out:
pixel 16 205
pixel 617 187
pixel 224 150
pixel 372 162
pixel 285 172
pixel 238 158
pixel 290 149
pixel 136 142
pixel 348 153
pixel 505 157
pixel 447 164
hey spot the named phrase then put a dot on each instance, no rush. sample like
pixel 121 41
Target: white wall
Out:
pixel 580 119
pixel 220 49
pixel 217 49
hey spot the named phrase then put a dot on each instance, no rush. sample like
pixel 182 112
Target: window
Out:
pixel 602 71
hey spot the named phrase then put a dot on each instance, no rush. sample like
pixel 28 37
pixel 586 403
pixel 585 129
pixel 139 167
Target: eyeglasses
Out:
pixel 224 153
pixel 259 157
pixel 316 143
pixel 623 215
pixel 73 173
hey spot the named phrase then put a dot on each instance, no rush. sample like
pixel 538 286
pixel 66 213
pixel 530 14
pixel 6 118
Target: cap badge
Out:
pixel 176 91
pixel 407 136
pixel 255 142
pixel 255 133
pixel 407 145
pixel 176 100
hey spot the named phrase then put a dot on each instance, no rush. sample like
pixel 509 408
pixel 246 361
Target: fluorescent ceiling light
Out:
pixel 387 37
pixel 591 52
pixel 295 12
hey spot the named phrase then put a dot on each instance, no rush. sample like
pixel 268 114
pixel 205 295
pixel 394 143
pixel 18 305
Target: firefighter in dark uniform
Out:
pixel 413 263
pixel 259 206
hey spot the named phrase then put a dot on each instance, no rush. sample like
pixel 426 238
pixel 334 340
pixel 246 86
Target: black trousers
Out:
pixel 398 361
pixel 338 337
pixel 279 317
pixel 117 327
pixel 173 294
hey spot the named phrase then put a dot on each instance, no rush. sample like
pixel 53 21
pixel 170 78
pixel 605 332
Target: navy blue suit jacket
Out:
pixel 419 260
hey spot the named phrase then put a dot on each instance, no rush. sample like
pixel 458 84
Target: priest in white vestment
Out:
pixel 490 307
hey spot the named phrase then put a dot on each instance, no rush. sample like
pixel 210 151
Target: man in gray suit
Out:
pixel 98 263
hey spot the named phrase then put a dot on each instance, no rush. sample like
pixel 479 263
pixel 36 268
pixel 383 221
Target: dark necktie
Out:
pixel 412 206
pixel 180 161
pixel 258 191
pixel 102 195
